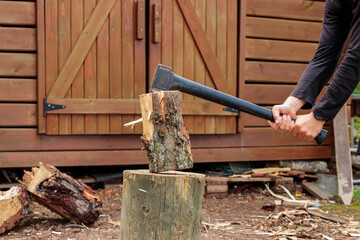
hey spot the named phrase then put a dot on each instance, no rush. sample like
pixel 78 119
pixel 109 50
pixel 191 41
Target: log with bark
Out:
pixel 62 194
pixel 14 205
pixel 164 136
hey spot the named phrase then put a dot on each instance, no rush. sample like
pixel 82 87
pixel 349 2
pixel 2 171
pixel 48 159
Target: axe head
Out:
pixel 163 79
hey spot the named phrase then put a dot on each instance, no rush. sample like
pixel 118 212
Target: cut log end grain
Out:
pixel 164 136
pixel 62 194
pixel 14 205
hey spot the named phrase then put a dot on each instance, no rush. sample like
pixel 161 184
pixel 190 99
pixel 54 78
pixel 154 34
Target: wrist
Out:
pixel 294 103
pixel 318 117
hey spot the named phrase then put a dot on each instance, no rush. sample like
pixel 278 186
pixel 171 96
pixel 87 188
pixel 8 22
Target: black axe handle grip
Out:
pixel 204 92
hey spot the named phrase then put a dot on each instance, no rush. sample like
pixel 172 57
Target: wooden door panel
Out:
pixel 199 41
pixel 91 53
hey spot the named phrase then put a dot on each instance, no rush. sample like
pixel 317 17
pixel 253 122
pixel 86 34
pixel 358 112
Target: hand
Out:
pixel 288 109
pixel 307 127
pixel 284 122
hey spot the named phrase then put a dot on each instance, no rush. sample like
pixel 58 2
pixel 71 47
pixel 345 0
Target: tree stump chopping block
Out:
pixel 62 194
pixel 14 205
pixel 164 137
pixel 161 206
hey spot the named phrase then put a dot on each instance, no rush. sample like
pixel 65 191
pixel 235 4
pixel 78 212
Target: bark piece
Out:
pixel 62 194
pixel 165 139
pixel 14 205
pixel 161 206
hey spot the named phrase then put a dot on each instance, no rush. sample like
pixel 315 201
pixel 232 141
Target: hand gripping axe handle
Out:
pixel 165 79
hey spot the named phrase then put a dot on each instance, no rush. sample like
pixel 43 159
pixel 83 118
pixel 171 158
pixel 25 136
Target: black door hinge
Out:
pixel 232 110
pixel 50 107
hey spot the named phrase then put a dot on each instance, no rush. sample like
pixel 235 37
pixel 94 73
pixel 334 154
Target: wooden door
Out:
pixel 198 39
pixel 92 64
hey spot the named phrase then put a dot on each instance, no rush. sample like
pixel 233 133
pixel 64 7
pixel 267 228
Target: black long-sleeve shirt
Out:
pixel 341 18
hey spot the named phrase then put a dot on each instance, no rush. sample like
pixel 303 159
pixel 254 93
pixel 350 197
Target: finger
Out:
pixel 288 126
pixel 276 114
pixel 273 125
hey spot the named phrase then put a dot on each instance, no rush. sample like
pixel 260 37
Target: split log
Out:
pixel 62 194
pixel 14 205
pixel 161 206
pixel 165 139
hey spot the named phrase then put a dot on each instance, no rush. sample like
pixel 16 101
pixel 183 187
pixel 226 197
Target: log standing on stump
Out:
pixel 14 205
pixel 165 139
pixel 62 194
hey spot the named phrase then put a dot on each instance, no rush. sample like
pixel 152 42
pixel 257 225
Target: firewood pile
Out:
pixel 218 186
pixel 53 189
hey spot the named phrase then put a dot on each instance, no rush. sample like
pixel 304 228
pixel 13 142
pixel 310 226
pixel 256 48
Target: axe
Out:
pixel 165 79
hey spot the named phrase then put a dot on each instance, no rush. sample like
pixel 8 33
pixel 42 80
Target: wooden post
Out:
pixel 165 139
pixel 343 157
pixel 14 205
pixel 161 206
pixel 62 194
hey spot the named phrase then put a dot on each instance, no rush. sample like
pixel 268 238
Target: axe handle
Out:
pixel 204 92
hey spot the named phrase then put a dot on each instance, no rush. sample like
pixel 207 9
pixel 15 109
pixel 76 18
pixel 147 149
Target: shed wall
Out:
pixel 269 67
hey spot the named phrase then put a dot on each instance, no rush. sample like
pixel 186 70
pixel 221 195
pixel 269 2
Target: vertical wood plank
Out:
pixel 178 42
pixel 199 121
pixel 77 88
pixel 189 64
pixel 128 56
pixel 51 55
pixel 103 75
pixel 154 48
pixel 231 60
pixel 139 73
pixel 343 158
pixel 167 33
pixel 221 31
pixel 40 5
pixel 64 52
pixel 116 123
pixel 210 125
pixel 90 72
pixel 241 61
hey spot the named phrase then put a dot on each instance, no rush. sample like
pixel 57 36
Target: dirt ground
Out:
pixel 239 216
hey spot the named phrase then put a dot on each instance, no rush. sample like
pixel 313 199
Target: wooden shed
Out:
pixel 91 59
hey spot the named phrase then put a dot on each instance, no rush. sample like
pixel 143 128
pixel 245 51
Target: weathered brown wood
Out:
pixel 273 72
pixel 175 212
pixel 17 13
pixel 90 73
pixel 62 194
pixel 264 93
pixel 80 50
pixel 30 158
pixel 316 190
pixel 203 44
pixel 41 73
pixel 242 58
pixel 283 29
pixel 165 139
pixel 140 19
pixel 116 123
pixel 18 115
pixel 17 39
pixel 14 205
pixel 64 43
pixel 261 49
pixel 296 9
pixel 77 87
pixel 343 157
pixel 156 37
pixel 130 106
pixel 12 139
pixel 17 90
pixel 17 64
